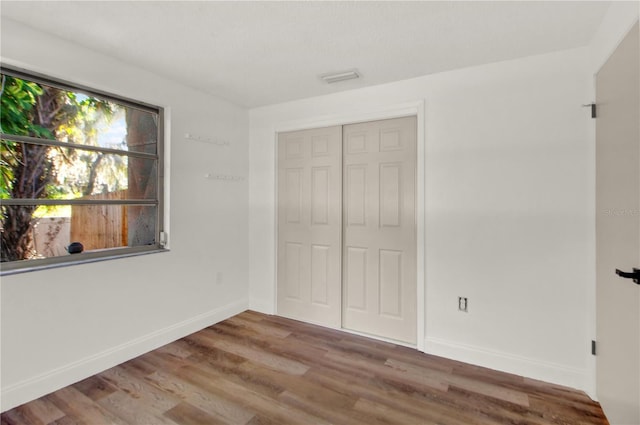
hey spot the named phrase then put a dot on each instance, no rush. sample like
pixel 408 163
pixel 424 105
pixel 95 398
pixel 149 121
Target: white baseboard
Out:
pixel 262 306
pixel 530 368
pixel 37 386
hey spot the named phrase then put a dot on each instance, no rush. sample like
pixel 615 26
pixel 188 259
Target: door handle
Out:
pixel 635 275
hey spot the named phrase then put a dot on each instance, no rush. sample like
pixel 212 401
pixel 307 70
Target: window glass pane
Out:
pixel 103 164
pixel 96 227
pixel 69 173
pixel 39 110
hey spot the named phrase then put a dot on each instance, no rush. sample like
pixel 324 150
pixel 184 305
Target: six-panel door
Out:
pixel 379 221
pixel 309 225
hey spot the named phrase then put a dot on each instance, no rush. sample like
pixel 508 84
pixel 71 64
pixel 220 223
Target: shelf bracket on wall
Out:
pixel 223 177
pixel 217 142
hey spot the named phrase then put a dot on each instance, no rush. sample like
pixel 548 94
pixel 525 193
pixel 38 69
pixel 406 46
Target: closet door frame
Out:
pixel 416 109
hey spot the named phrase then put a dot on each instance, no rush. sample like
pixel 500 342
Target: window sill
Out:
pixel 25 266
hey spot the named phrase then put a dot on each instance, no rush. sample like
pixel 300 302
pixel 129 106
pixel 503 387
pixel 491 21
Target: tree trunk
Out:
pixel 17 235
pixel 142 136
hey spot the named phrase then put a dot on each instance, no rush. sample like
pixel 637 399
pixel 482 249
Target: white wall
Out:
pixel 508 225
pixel 620 17
pixel 61 325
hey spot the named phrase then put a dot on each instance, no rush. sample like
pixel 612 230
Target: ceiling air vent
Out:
pixel 335 77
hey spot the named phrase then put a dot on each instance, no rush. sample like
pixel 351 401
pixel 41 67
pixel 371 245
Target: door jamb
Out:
pixel 417 109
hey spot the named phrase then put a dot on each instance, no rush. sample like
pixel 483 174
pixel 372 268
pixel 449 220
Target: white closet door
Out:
pixel 379 219
pixel 309 225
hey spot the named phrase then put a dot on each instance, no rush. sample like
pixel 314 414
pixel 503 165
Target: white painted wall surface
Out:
pixel 508 180
pixel 620 17
pixel 61 325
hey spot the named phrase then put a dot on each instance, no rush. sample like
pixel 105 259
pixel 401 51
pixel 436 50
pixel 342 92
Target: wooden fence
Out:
pixel 100 226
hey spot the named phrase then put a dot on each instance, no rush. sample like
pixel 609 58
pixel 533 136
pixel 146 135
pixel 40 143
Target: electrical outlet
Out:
pixel 463 304
pixel 219 278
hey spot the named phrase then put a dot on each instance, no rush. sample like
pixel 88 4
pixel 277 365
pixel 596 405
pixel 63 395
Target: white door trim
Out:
pixel 416 108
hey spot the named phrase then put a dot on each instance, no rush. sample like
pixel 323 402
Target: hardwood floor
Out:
pixel 259 369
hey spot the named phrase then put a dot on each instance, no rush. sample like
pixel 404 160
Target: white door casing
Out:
pixel 379 222
pixel 618 232
pixel 309 225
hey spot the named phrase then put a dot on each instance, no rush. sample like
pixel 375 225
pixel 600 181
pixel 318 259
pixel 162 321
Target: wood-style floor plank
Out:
pixel 95 388
pixel 127 408
pixel 81 408
pixel 187 414
pixel 256 369
pixel 37 412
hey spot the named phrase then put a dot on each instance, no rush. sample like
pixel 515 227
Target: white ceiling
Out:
pixel 259 53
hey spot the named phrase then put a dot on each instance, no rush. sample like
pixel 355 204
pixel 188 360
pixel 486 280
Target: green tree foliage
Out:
pixel 28 171
pixel 29 110
pixel 16 117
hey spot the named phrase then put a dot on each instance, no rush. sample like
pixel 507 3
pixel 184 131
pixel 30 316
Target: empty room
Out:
pixel 310 212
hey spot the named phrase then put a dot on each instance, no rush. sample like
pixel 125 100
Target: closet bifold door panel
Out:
pixel 379 228
pixel 347 227
pixel 309 225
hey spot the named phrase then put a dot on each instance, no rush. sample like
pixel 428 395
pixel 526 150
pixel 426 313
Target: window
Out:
pixel 81 175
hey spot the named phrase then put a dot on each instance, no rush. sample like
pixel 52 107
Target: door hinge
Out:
pixel 593 347
pixel 593 109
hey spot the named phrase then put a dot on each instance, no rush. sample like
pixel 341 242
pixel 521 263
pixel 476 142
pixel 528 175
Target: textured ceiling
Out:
pixel 259 53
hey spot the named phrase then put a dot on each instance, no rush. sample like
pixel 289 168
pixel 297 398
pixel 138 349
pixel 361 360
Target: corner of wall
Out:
pixel 261 306
pixel 617 22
